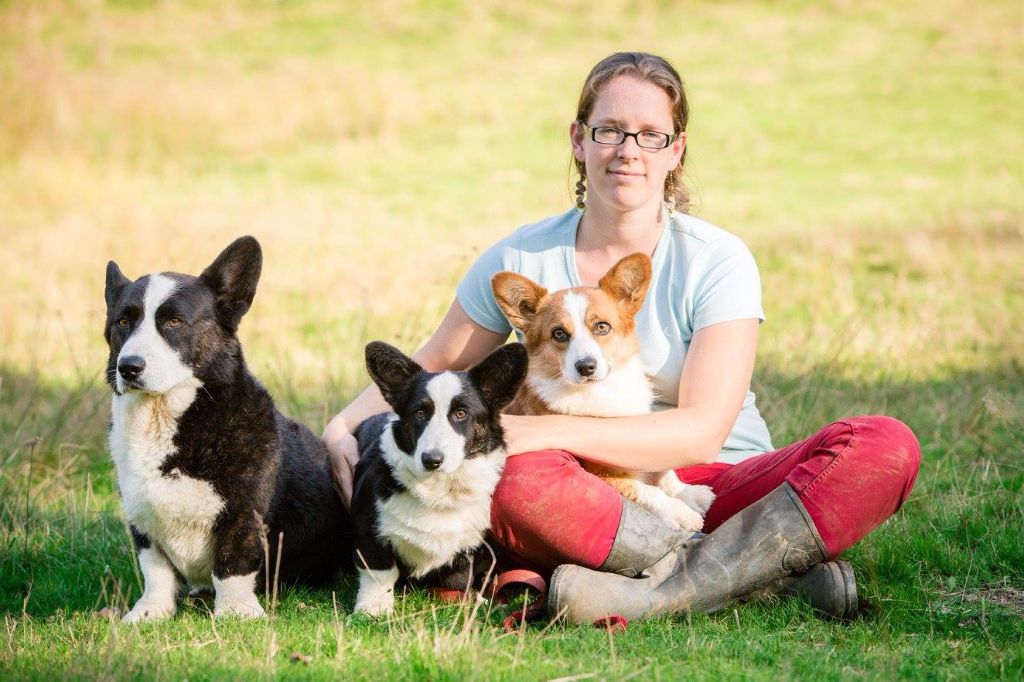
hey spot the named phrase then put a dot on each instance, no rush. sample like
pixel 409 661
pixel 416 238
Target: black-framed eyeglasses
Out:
pixel 645 139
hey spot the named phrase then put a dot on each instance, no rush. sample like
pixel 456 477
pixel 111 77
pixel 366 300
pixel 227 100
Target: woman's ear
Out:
pixel 576 135
pixel 678 147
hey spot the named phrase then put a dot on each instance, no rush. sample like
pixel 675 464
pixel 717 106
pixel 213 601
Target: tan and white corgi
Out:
pixel 584 360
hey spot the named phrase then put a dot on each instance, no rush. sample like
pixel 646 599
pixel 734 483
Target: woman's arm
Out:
pixel 714 380
pixel 457 344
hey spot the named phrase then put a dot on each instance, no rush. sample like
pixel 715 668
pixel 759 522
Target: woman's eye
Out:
pixel 174 323
pixel 459 415
pixel 602 328
pixel 560 335
pixel 123 323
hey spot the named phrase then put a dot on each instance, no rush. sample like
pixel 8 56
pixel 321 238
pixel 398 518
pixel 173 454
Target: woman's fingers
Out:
pixel 343 454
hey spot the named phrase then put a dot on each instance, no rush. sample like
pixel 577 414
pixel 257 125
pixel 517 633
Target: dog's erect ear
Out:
pixel 233 276
pixel 391 369
pixel 627 282
pixel 500 375
pixel 116 282
pixel 518 297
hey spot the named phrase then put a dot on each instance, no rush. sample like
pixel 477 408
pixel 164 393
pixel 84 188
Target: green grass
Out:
pixel 869 154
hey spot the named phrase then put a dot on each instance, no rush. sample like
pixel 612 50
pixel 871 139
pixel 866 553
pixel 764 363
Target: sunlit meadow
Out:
pixel 870 154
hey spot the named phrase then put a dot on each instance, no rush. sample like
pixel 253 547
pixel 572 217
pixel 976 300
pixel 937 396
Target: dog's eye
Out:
pixel 560 335
pixel 123 323
pixel 602 328
pixel 420 414
pixel 459 415
pixel 174 323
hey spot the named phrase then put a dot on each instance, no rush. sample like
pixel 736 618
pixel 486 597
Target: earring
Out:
pixel 581 190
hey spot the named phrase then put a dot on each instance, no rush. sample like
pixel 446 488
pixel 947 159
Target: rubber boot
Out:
pixel 829 587
pixel 771 539
pixel 642 540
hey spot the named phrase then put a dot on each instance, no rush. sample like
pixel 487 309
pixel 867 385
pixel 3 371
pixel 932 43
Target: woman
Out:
pixel 777 512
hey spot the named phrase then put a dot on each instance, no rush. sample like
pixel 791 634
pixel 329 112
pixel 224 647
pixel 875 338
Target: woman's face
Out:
pixel 624 176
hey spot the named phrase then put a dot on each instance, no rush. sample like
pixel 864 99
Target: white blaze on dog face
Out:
pixel 583 347
pixel 439 434
pixel 163 367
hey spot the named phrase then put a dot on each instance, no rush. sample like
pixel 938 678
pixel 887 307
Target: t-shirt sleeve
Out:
pixel 730 288
pixel 474 291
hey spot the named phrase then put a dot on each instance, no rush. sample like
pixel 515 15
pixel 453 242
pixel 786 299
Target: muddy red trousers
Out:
pixel 851 476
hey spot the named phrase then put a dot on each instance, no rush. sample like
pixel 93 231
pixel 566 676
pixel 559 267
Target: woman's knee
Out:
pixel 527 478
pixel 549 510
pixel 529 472
pixel 889 445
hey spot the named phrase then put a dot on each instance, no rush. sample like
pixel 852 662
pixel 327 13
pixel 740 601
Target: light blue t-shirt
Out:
pixel 702 275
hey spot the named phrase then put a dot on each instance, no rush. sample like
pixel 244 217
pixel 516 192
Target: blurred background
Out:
pixel 870 154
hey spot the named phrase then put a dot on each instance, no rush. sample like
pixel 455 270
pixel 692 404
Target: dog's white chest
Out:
pixel 176 511
pixel 428 539
pixel 436 519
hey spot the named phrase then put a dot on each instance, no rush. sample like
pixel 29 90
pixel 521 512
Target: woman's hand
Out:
pixel 524 433
pixel 343 453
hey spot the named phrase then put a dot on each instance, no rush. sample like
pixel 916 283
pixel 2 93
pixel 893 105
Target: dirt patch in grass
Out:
pixel 1006 596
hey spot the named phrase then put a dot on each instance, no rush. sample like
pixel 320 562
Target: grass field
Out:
pixel 870 154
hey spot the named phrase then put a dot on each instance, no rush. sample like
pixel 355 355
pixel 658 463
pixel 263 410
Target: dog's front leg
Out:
pixel 378 573
pixel 464 573
pixel 697 497
pixel 161 583
pixel 671 510
pixel 237 560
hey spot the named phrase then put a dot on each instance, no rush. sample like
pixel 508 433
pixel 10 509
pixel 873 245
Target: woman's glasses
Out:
pixel 645 139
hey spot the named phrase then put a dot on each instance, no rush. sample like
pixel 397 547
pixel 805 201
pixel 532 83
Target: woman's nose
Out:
pixel 628 147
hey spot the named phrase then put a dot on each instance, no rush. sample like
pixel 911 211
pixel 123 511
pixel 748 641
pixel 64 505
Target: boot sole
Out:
pixel 844 576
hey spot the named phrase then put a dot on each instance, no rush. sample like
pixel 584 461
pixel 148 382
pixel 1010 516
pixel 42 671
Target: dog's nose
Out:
pixel 432 459
pixel 131 367
pixel 586 366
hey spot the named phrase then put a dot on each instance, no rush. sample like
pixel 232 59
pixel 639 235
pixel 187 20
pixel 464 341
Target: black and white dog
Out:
pixel 206 465
pixel 422 491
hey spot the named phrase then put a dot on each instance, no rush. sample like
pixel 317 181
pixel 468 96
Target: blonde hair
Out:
pixel 655 70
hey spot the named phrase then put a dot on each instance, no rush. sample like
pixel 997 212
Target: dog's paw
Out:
pixel 151 609
pixel 697 497
pixel 376 609
pixel 682 515
pixel 239 607
pixel 379 603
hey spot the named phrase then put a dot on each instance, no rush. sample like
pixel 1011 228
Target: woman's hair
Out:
pixel 653 69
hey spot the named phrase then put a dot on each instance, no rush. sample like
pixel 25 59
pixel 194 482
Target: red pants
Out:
pixel 850 476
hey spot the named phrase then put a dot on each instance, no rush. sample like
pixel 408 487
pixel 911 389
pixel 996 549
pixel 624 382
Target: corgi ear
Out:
pixel 627 282
pixel 518 297
pixel 116 282
pixel 391 369
pixel 500 375
pixel 233 277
